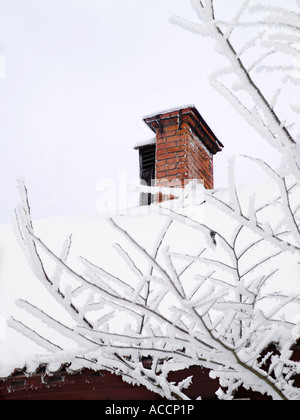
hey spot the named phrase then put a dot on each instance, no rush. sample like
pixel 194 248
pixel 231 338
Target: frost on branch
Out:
pixel 260 39
pixel 223 305
pixel 216 308
pixel 259 43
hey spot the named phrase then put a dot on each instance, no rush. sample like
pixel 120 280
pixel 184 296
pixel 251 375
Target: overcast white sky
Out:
pixel 80 76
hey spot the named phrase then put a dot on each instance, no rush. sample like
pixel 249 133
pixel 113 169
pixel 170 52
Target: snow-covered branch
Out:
pixel 221 305
pixel 275 49
pixel 210 311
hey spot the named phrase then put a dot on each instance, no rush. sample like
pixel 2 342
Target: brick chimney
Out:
pixel 183 148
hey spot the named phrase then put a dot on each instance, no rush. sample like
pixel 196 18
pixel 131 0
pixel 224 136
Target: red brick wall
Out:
pixel 172 155
pixel 184 147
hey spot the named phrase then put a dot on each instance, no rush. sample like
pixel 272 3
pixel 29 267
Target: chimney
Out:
pixel 183 149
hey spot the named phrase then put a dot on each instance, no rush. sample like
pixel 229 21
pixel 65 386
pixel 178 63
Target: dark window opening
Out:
pixel 147 171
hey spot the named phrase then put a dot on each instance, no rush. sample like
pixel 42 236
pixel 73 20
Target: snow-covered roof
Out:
pixel 146 142
pixel 96 239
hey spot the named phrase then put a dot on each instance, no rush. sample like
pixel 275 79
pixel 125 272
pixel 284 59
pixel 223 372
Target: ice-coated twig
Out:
pixel 210 326
pixel 216 306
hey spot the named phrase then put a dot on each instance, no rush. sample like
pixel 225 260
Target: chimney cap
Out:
pixel 185 114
